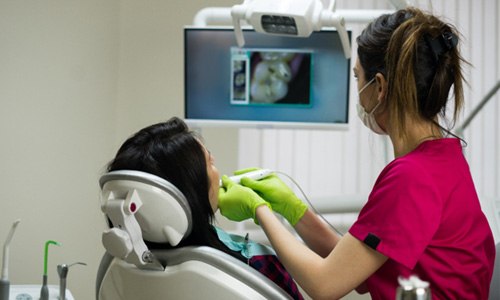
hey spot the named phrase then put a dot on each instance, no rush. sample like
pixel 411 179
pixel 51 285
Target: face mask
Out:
pixel 368 119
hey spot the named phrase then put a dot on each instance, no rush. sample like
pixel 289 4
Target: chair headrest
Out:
pixel 142 206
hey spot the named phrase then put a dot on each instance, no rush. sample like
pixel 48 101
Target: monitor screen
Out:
pixel 273 81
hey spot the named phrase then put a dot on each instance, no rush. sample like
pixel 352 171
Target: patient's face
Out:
pixel 214 176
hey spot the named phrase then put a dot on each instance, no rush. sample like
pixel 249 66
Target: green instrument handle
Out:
pixel 46 257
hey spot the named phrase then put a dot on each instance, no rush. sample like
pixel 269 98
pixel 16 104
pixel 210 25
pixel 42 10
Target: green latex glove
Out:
pixel 243 171
pixel 281 197
pixel 237 202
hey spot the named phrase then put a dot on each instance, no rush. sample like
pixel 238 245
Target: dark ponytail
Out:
pixel 418 54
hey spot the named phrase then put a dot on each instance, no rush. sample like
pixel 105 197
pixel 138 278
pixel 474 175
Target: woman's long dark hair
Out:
pixel 419 56
pixel 173 152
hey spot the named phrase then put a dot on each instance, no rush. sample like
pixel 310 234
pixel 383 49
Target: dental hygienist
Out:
pixel 423 215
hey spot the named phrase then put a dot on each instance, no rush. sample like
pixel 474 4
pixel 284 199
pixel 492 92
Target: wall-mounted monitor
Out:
pixel 272 82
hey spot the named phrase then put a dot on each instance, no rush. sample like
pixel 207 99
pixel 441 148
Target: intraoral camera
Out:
pixel 298 18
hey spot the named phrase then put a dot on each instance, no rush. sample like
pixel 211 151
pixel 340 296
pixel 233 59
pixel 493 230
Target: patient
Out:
pixel 169 150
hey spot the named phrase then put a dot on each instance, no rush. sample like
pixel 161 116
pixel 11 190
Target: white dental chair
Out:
pixel 141 205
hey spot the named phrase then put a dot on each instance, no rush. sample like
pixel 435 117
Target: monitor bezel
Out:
pixel 258 124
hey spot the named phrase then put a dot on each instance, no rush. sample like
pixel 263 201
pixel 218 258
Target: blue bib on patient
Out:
pixel 246 247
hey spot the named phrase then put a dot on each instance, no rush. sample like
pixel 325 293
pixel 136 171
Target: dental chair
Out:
pixel 141 207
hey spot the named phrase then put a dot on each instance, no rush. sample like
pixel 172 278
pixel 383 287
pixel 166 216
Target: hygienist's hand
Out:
pixel 237 202
pixel 281 197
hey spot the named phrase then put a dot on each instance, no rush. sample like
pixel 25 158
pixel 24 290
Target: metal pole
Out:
pixel 476 110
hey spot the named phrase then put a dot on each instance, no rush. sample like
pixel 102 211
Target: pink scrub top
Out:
pixel 424 215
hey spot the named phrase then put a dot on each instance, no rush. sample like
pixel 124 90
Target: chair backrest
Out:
pixel 143 205
pixel 190 273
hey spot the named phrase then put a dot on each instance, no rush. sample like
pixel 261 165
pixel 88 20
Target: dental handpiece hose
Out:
pixel 4 289
pixel 4 281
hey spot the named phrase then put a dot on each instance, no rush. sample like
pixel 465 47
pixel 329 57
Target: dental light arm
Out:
pixel 297 18
pixel 329 18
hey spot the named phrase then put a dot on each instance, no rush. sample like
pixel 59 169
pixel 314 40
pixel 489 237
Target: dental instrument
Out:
pixel 309 202
pixel 255 175
pixel 44 292
pixel 262 173
pixel 62 270
pixel 4 281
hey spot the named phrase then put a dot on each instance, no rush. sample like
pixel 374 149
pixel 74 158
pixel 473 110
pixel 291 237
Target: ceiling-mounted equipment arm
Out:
pixel 330 18
pixel 238 14
pixel 477 109
pixel 298 18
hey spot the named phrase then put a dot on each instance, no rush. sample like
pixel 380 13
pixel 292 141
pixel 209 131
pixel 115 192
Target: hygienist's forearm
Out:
pixel 302 263
pixel 349 264
pixel 316 234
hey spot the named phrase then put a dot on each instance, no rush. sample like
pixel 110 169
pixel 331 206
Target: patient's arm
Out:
pixel 316 234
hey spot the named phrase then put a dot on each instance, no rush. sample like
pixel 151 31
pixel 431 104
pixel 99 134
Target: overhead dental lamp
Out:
pixel 298 18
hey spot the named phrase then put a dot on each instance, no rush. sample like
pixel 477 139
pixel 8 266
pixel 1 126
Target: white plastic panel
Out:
pixel 190 280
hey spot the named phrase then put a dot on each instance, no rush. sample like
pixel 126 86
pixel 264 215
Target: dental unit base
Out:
pixel 32 292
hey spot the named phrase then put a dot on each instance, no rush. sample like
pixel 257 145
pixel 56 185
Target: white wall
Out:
pixel 58 72
pixel 151 83
pixel 76 79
